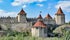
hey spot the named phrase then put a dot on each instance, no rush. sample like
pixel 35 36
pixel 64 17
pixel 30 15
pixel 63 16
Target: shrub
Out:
pixel 66 34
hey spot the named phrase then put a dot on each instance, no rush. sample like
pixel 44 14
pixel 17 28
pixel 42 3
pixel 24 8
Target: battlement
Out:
pixel 7 17
pixel 21 17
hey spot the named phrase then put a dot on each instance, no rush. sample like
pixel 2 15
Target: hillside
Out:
pixel 59 29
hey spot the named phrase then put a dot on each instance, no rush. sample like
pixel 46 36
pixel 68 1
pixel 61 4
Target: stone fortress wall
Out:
pixel 22 20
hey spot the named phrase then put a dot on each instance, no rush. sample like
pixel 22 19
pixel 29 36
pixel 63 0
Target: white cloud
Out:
pixel 41 5
pixel 24 6
pixel 20 2
pixel 65 5
pixel 3 13
pixel 16 3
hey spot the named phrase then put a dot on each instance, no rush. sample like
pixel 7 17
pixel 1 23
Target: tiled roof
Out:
pixel 59 12
pixel 39 24
pixel 48 16
pixel 22 12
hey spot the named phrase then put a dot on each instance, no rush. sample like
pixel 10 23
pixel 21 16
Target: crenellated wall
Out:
pixel 33 20
pixel 7 19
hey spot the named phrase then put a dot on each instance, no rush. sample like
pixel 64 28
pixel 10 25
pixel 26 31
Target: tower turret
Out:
pixel 60 17
pixel 22 16
pixel 48 16
pixel 39 17
pixel 49 20
pixel 38 30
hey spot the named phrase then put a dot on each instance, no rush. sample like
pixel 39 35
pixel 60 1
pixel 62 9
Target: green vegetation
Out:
pixel 66 34
pixel 13 35
pixel 68 22
pixel 26 35
pixel 59 29
pixel 26 38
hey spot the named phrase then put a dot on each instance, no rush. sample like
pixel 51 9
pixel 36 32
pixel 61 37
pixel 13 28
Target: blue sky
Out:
pixel 33 7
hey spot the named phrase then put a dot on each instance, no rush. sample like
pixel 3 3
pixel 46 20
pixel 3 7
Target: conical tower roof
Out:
pixel 22 12
pixel 48 16
pixel 39 24
pixel 59 12
pixel 39 17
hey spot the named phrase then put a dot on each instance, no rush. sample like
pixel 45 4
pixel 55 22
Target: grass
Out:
pixel 28 38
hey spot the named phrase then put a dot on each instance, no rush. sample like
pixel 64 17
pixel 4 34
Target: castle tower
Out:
pixel 22 16
pixel 39 17
pixel 48 17
pixel 38 29
pixel 60 17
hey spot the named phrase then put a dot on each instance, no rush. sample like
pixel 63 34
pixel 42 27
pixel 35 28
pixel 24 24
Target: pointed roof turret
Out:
pixel 39 24
pixel 48 16
pixel 22 12
pixel 39 17
pixel 59 12
pixel 9 17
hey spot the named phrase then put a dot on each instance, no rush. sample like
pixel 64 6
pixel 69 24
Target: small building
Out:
pixel 38 29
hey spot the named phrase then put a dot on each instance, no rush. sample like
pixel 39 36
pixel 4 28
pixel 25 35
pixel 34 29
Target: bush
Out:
pixel 66 34
pixel 14 33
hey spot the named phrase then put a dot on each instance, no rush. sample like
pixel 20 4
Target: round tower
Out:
pixel 60 17
pixel 22 16
pixel 38 30
pixel 39 17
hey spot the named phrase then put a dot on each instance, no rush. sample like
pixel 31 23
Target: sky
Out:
pixel 33 8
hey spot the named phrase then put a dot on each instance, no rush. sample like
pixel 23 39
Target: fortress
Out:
pixel 38 25
pixel 21 17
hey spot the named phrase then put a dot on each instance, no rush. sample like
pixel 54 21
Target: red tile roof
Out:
pixel 48 16
pixel 59 12
pixel 22 12
pixel 40 17
pixel 39 24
